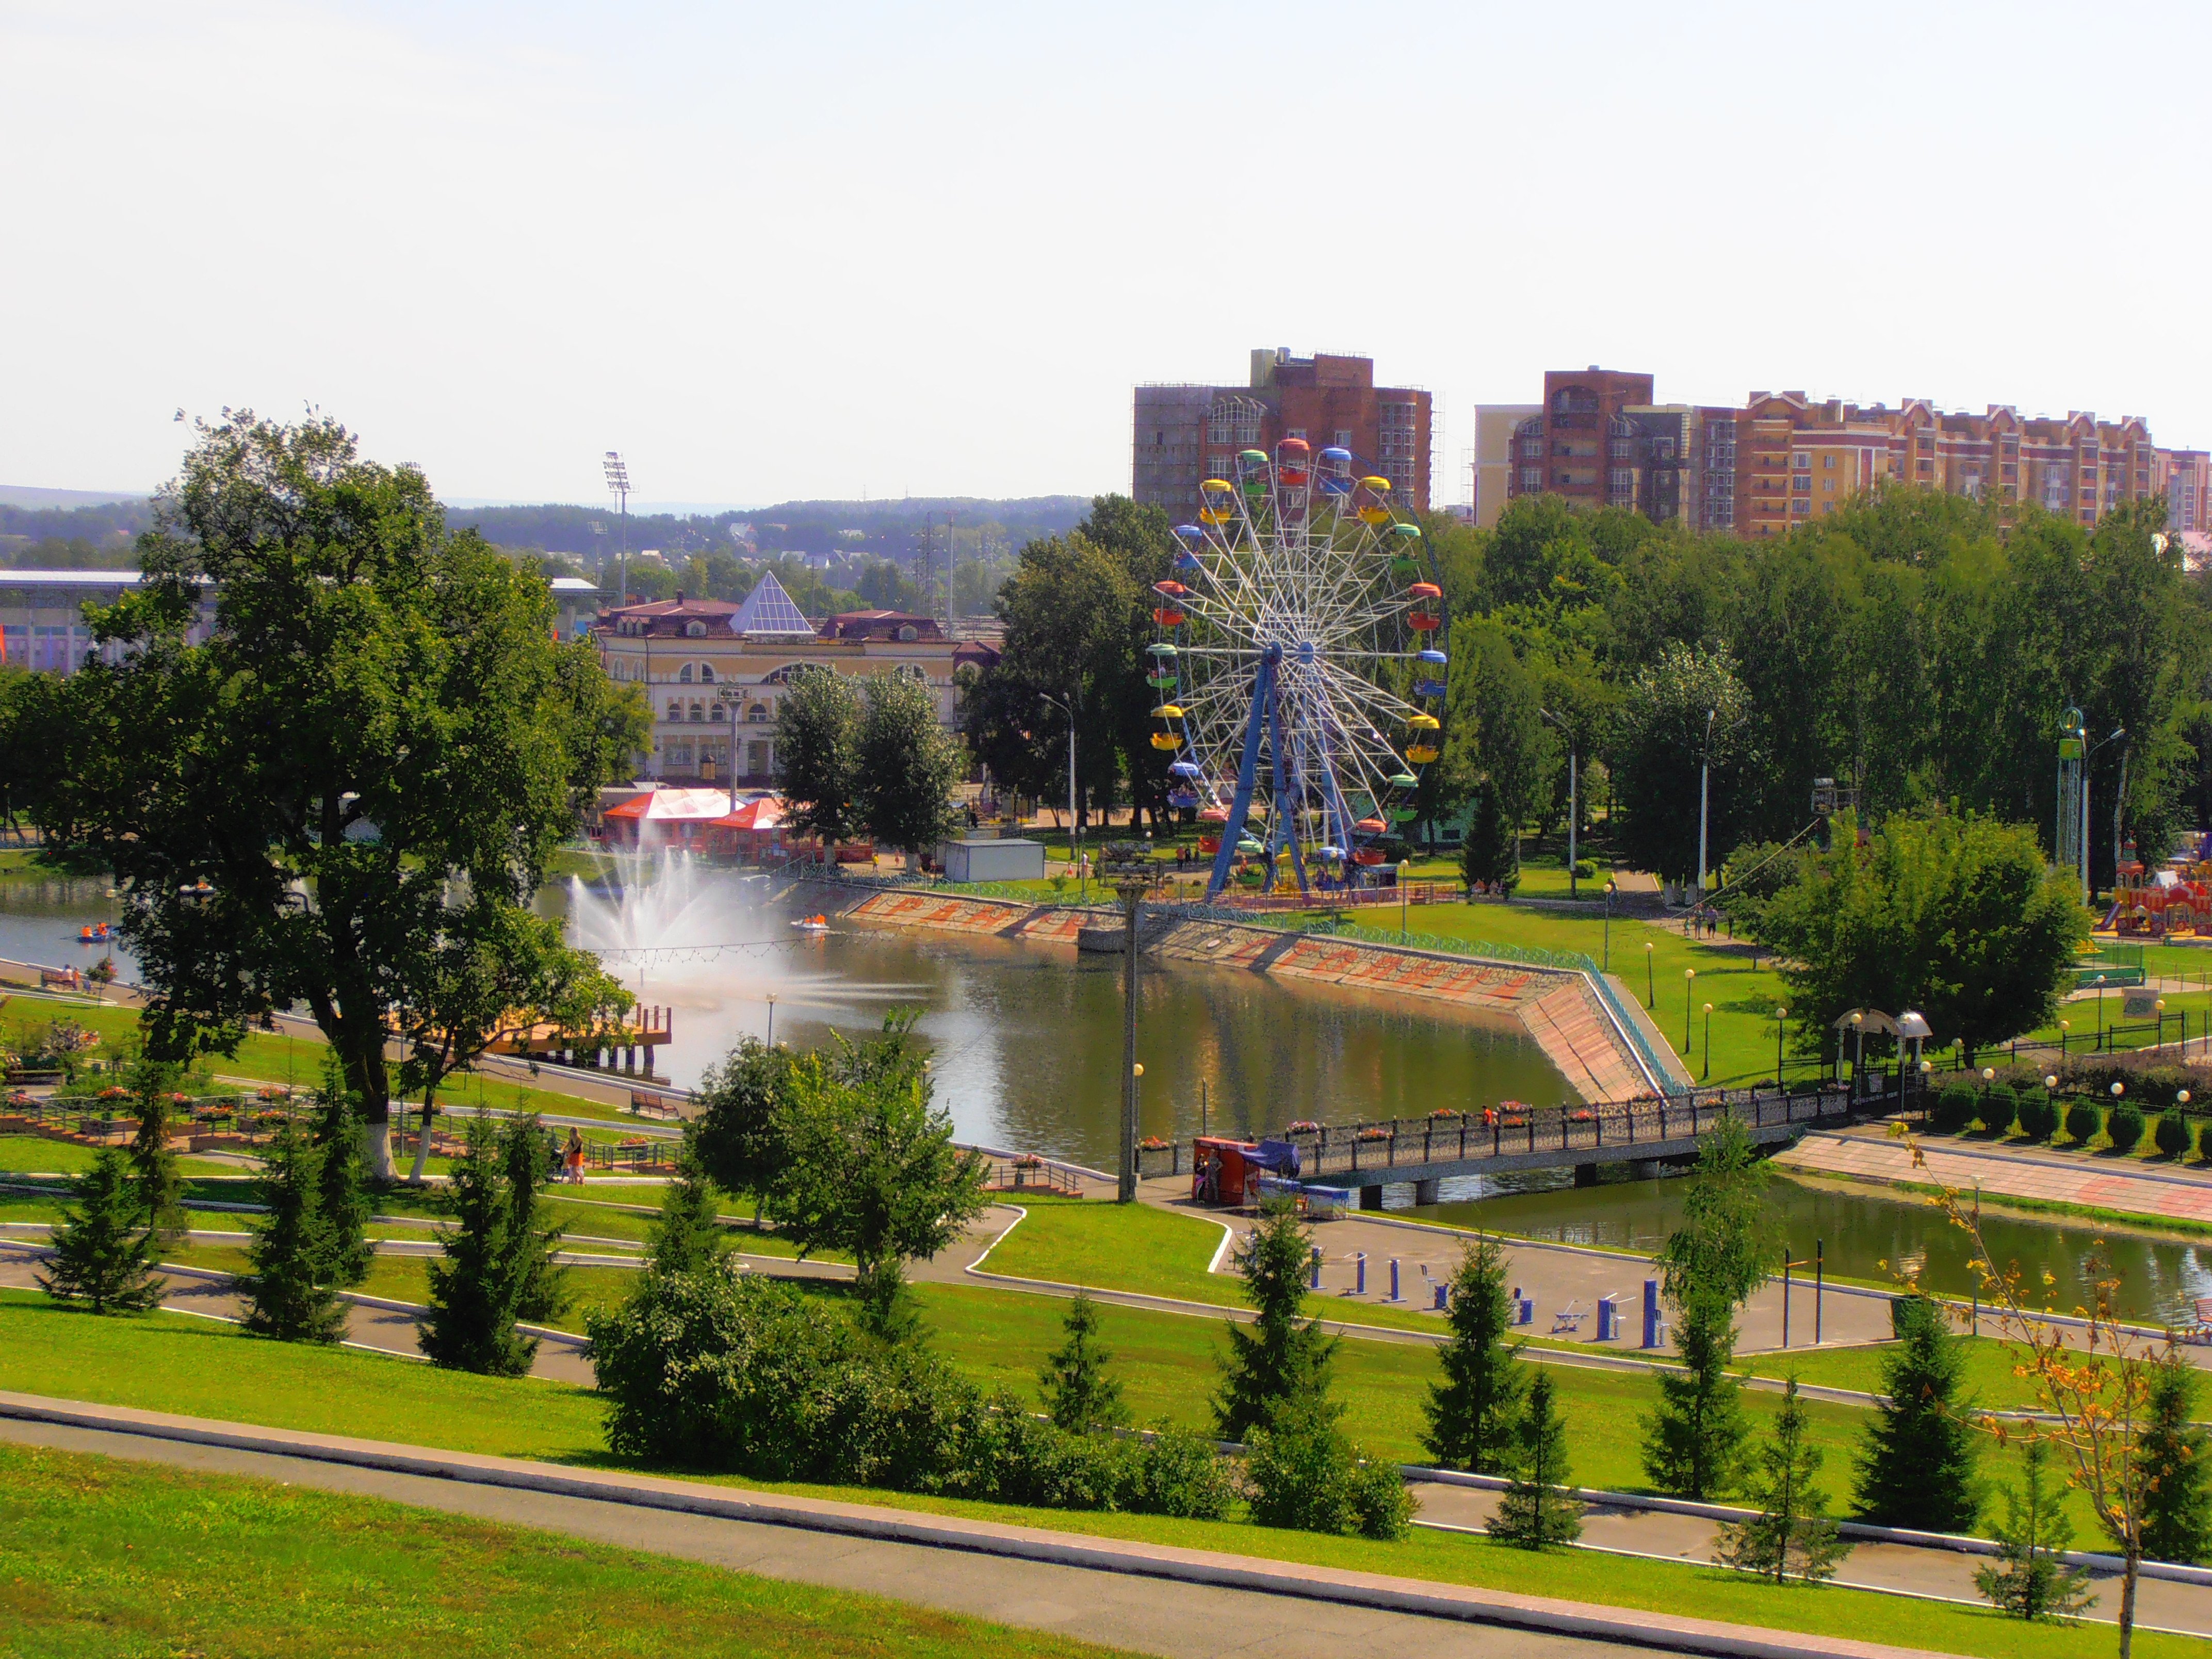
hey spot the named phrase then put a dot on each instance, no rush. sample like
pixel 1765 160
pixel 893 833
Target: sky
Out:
pixel 775 251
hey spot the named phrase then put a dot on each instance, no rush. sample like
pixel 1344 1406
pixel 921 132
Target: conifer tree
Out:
pixel 1694 1442
pixel 1536 1510
pixel 1791 1536
pixel 2030 1582
pixel 345 1202
pixel 1472 1413
pixel 1491 850
pixel 103 1251
pixel 288 1292
pixel 1916 1469
pixel 498 1266
pixel 1282 1357
pixel 2177 1498
pixel 153 1166
pixel 686 1237
pixel 1079 1393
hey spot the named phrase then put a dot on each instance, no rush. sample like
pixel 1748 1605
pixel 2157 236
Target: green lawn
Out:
pixel 120 1560
pixel 29 1154
pixel 174 1364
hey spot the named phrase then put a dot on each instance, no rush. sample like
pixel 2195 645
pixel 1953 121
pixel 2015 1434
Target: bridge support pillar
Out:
pixel 1371 1198
pixel 1647 1169
pixel 1425 1192
pixel 1585 1175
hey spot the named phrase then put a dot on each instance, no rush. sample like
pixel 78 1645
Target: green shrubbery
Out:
pixel 1954 1109
pixel 2038 1115
pixel 717 1370
pixel 1304 1474
pixel 2081 1120
pixel 2174 1134
pixel 2124 1124
pixel 1997 1108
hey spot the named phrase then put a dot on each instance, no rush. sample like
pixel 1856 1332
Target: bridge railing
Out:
pixel 1617 1128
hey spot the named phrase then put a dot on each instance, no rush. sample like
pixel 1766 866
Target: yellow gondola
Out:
pixel 1166 740
pixel 1421 753
pixel 1168 711
pixel 1422 722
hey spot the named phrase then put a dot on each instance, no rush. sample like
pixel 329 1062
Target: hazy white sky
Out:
pixel 775 251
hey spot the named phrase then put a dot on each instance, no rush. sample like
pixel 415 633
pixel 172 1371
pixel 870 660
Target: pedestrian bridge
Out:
pixel 1497 1140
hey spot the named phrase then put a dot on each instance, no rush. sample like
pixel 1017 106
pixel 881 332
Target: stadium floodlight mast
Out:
pixel 617 472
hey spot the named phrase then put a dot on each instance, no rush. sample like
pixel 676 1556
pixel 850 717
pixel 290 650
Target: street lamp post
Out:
pixel 1780 1015
pixel 1709 1043
pixel 1405 869
pixel 1573 799
pixel 617 472
pixel 1650 987
pixel 1704 793
pixel 1689 980
pixel 1131 872
pixel 771 1019
pixel 1074 837
pixel 1605 964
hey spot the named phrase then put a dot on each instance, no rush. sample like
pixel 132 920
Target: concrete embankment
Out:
pixel 1559 1009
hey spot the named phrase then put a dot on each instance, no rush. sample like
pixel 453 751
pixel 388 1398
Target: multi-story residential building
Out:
pixel 1784 458
pixel 1185 434
pixel 713 672
pixel 1496 426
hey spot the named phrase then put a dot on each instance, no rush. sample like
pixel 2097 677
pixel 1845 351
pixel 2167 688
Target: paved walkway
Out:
pixel 1188 1604
pixel 2126 1185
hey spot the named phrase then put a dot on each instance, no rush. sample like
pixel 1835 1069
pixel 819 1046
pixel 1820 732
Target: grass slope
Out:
pixel 174 1364
pixel 120 1559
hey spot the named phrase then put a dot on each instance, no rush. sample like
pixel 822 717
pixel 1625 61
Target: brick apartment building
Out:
pixel 1184 435
pixel 1782 459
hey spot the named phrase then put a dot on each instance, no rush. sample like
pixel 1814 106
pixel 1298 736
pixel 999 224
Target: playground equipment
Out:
pixel 2161 903
pixel 1298 681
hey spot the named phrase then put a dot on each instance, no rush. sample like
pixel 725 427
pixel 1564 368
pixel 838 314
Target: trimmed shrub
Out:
pixel 1997 1108
pixel 2173 1134
pixel 714 1369
pixel 1304 1474
pixel 2082 1121
pixel 1954 1108
pixel 2124 1123
pixel 2038 1115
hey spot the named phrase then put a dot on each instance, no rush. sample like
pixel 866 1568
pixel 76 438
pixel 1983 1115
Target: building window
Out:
pixel 1343 437
pixel 1803 463
pixel 1619 449
pixel 696 630
pixel 1532 478
pixel 683 674
pixel 909 633
pixel 1829 462
pixel 676 711
pixel 1827 486
pixel 706 673
pixel 698 714
pixel 1800 508
pixel 1620 480
pixel 756 715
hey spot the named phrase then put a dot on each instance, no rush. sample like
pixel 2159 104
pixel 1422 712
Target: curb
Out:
pixel 1463 1603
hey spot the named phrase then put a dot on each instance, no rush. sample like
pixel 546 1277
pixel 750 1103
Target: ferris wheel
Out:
pixel 1298 670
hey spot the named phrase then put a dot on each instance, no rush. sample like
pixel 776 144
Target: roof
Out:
pixel 123 579
pixel 665 806
pixel 764 813
pixel 879 625
pixel 767 611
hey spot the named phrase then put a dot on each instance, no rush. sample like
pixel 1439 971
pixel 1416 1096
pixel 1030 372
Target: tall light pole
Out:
pixel 2119 733
pixel 617 472
pixel 1131 872
pixel 1574 802
pixel 1705 791
pixel 1074 837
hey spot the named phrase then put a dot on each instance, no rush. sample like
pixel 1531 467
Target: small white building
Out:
pixel 991 860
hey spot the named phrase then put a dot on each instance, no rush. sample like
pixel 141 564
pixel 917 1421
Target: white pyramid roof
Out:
pixel 767 610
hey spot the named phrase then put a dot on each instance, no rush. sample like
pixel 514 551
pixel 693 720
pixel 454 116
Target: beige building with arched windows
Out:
pixel 713 672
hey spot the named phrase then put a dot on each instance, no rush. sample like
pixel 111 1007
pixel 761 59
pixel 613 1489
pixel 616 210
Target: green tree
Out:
pixel 1282 1357
pixel 1695 1442
pixel 153 1165
pixel 735 1134
pixel 2031 1581
pixel 817 755
pixel 1491 852
pixel 1543 554
pixel 1079 1394
pixel 288 1289
pixel 379 727
pixel 2176 1522
pixel 1686 706
pixel 1140 540
pixel 869 1166
pixel 1952 913
pixel 492 972
pixel 1916 1461
pixel 1473 1412
pixel 498 1266
pixel 103 1251
pixel 909 766
pixel 1302 1472
pixel 1494 732
pixel 344 1202
pixel 687 1236
pixel 1791 1534
pixel 1536 1510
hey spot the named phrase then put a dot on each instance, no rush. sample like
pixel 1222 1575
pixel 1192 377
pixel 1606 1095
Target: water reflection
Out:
pixel 1865 1235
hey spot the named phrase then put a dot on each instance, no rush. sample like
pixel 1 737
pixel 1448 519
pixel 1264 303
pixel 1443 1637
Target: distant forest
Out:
pixel 889 529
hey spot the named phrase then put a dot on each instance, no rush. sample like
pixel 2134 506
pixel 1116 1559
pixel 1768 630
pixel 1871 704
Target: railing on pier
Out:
pixel 1030 1174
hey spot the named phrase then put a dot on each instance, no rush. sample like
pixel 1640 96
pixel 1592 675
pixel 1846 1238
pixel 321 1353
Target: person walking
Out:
pixel 575 1158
